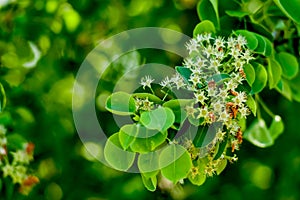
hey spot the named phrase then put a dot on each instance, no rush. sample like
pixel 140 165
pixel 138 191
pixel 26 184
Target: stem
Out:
pixel 265 107
pixel 166 94
pixel 258 108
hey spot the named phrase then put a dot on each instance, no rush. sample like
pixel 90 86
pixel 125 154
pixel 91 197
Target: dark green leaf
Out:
pixel 221 149
pixel 265 46
pixel 207 10
pixel 252 41
pixel 175 162
pixel 251 104
pixel 274 73
pixel 15 142
pixel 289 64
pixel 258 134
pixel 184 72
pixel 2 98
pixel 277 127
pixel 291 8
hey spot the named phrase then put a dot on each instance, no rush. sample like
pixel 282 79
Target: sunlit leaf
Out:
pixel 2 98
pixel 159 119
pixel 197 175
pixel 236 13
pixel 120 103
pixel 221 166
pixel 148 164
pixel 205 26
pixel 175 162
pixel 115 156
pixel 148 96
pixel 149 182
pixel 265 46
pixel 284 88
pixel 147 140
pixel 178 108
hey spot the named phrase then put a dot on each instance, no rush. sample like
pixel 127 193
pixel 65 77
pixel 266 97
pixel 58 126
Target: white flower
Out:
pixel 238 64
pixel 247 56
pixel 218 106
pixel 219 42
pixel 195 79
pixel 200 62
pixel 241 40
pixel 2 130
pixel 166 82
pixel 240 98
pixel 231 85
pixel 8 170
pixel 190 110
pixel 208 51
pixel 199 38
pixel 146 81
pixel 224 116
pixel 234 52
pixel 244 112
pixel 207 37
pixel 203 112
pixel 188 63
pixel 192 46
pixel 231 43
pixel 200 97
pixel 178 81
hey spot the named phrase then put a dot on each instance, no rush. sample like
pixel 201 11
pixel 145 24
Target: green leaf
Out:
pixel 178 108
pixel 218 78
pixel 205 26
pixel 289 64
pixel 120 103
pixel 252 41
pixel 294 85
pixel 236 13
pixel 277 127
pixel 175 162
pixel 284 88
pixel 150 97
pixel 250 73
pixel 197 175
pixel 274 73
pixel 265 46
pixel 221 149
pixel 149 182
pixel 184 72
pixel 251 104
pixel 148 164
pixel 2 98
pixel 221 166
pixel 291 8
pixel 261 78
pixel 206 134
pixel 115 156
pixel 147 140
pixel 159 119
pixel 15 142
pixel 127 135
pixel 208 10
pixel 258 134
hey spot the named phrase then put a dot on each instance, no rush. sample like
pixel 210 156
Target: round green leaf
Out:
pixel 198 177
pixel 205 26
pixel 261 78
pixel 208 10
pixel 127 135
pixel 258 134
pixel 175 162
pixel 250 73
pixel 159 119
pixel 147 140
pixel 277 127
pixel 178 108
pixel 291 8
pixel 115 156
pixel 265 46
pixel 289 64
pixel 120 103
pixel 274 73
pixel 252 41
pixel 284 88
pixel 148 164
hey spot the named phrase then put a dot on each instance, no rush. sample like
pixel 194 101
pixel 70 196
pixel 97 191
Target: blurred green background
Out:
pixel 39 96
